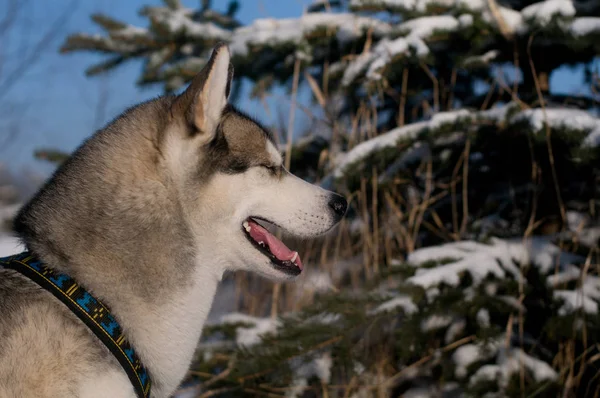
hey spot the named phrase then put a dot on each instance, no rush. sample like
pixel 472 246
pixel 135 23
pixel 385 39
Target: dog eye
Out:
pixel 272 169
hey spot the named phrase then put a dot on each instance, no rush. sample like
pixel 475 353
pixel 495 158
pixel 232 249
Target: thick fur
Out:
pixel 147 215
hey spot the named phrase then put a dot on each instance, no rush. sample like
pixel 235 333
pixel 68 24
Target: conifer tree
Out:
pixel 473 184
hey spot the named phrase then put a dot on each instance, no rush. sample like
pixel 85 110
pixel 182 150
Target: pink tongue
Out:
pixel 279 250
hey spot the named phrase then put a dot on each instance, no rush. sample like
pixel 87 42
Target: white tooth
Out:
pixel 261 243
pixel 246 226
pixel 294 257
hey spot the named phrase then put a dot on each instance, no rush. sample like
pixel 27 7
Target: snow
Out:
pixel 381 55
pixel 317 281
pixel 454 330
pixel 472 5
pixel 483 318
pixel 392 137
pixel 9 245
pixel 389 139
pixel 568 274
pixel 576 220
pixel 479 265
pixel 157 58
pixel 130 32
pixel 482 59
pixel 425 27
pixel 513 19
pixel 585 26
pixel 435 321
pixel 558 118
pixel 465 20
pixel 324 318
pixel 385 51
pixel 480 260
pixel 401 301
pixel 593 138
pixel 180 21
pixel 249 336
pixel 575 300
pixel 509 362
pixel 192 391
pixel 319 367
pixel 464 356
pixel 275 32
pixel 420 392
pixel 543 12
pixel 410 5
pixel 441 119
pixel 456 250
pixel 361 63
pixel 513 302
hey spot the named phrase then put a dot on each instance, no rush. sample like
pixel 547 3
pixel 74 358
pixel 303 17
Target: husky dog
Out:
pixel 147 215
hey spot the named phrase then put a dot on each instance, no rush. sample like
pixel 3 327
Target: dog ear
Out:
pixel 202 103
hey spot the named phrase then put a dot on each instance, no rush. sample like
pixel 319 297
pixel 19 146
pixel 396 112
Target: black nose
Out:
pixel 339 205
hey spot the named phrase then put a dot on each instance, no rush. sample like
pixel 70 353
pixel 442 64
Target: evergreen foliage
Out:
pixel 473 185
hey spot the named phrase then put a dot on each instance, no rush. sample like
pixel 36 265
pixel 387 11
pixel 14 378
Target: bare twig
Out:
pixel 561 205
pixel 288 160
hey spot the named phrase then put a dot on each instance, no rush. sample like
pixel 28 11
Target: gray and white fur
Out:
pixel 147 215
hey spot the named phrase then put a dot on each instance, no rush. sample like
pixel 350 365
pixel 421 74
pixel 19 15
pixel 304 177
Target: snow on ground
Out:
pixel 9 246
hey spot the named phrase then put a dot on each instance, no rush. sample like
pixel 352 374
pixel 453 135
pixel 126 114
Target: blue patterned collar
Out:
pixel 89 309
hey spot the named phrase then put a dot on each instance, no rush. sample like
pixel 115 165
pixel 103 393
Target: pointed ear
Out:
pixel 202 103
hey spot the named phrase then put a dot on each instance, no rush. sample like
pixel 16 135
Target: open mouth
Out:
pixel 283 259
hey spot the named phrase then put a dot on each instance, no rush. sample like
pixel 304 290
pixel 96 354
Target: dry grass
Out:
pixel 389 222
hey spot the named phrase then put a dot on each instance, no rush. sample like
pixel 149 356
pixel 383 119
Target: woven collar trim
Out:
pixel 87 308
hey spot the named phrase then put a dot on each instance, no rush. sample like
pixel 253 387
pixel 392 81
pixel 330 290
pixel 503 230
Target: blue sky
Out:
pixel 55 105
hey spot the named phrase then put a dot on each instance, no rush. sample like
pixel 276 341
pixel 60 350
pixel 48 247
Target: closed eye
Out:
pixel 273 169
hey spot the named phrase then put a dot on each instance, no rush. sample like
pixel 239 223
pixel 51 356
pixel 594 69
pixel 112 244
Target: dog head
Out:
pixel 231 179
